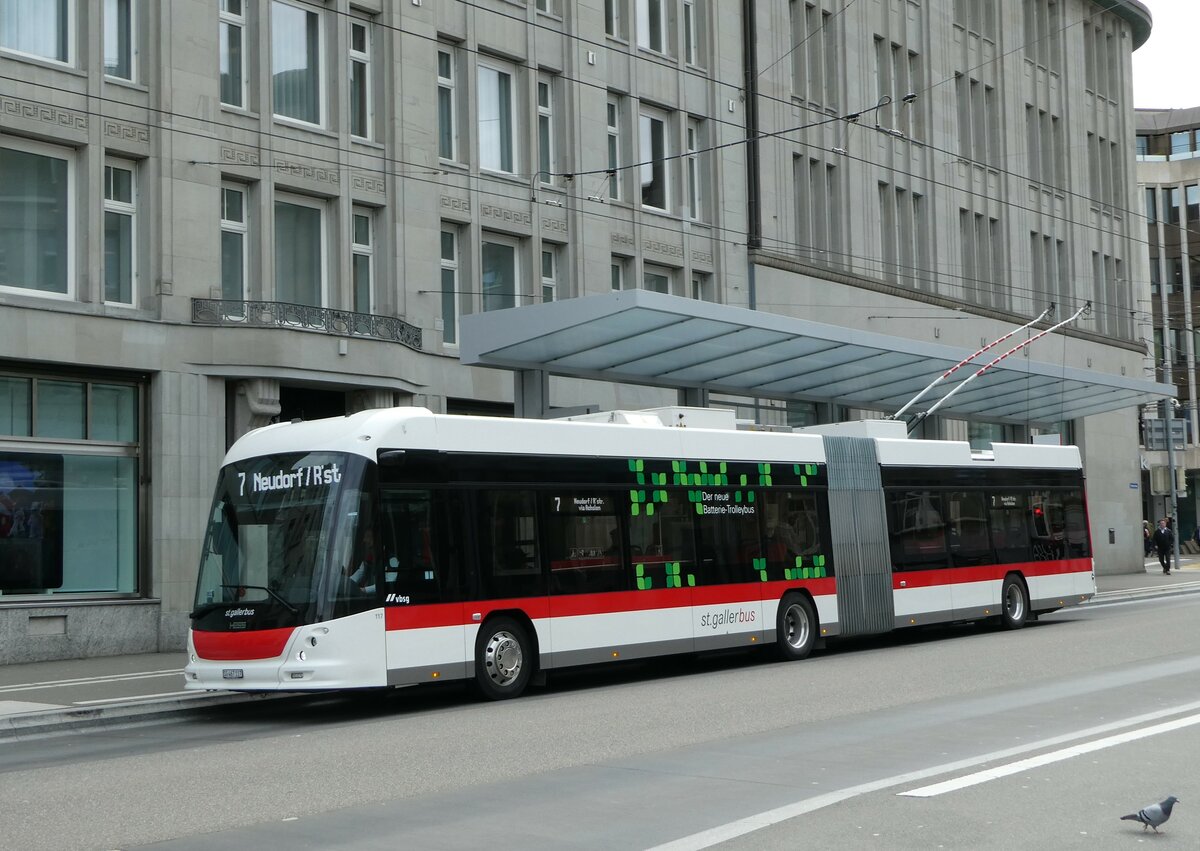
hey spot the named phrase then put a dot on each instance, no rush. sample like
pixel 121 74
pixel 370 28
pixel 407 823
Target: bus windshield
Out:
pixel 276 523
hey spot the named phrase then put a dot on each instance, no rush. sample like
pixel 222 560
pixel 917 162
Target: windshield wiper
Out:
pixel 274 596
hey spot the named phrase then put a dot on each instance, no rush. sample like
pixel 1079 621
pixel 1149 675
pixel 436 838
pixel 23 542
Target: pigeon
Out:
pixel 1153 815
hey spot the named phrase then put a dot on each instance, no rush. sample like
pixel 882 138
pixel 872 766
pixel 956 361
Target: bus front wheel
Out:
pixel 1014 603
pixel 503 659
pixel 796 627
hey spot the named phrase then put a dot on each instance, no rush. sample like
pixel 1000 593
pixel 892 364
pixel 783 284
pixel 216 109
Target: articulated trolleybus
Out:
pixel 397 547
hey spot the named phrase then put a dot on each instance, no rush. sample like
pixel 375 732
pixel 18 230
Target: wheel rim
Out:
pixel 1014 602
pixel 502 658
pixel 796 626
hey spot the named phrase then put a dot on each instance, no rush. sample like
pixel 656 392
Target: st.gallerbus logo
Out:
pixel 239 613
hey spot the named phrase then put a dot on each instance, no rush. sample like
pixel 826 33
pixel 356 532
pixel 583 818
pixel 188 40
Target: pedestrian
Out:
pixel 1147 539
pixel 1164 540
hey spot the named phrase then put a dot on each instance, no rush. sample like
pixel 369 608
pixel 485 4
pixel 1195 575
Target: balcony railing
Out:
pixel 344 323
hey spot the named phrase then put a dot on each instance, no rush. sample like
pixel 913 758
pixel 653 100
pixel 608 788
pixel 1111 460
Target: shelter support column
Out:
pixel 693 397
pixel 531 394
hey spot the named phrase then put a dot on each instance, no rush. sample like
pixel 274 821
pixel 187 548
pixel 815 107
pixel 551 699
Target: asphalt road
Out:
pixel 686 754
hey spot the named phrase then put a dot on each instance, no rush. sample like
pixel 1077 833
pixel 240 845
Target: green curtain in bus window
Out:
pixel 662 545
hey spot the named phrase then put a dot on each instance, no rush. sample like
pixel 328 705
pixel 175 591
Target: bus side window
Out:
pixel 661 545
pixel 508 554
pixel 411 542
pixel 917 529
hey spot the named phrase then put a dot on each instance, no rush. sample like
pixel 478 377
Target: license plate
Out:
pixel 232 673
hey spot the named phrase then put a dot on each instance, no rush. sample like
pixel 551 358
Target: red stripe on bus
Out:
pixel 573 605
pixel 254 644
pixel 986 573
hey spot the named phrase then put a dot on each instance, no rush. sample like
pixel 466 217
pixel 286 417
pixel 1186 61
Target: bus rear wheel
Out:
pixel 795 627
pixel 503 659
pixel 1014 603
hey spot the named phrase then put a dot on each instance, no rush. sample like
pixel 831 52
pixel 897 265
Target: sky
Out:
pixel 1160 80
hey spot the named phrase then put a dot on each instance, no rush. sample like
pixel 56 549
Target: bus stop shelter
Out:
pixel 697 347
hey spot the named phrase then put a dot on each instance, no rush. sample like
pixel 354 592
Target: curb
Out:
pixel 1175 590
pixel 45 722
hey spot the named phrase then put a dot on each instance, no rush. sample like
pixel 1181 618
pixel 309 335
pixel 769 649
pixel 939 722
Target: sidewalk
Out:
pixel 43 697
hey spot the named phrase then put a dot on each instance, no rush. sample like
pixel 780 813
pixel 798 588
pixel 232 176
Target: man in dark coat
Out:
pixel 1164 541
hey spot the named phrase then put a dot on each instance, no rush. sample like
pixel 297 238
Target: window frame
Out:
pixel 694 146
pixel 499 69
pixel 240 228
pixel 665 272
pixel 68 157
pixel 127 209
pixel 363 59
pixel 227 21
pixel 452 265
pixel 449 86
pixel 322 208
pixel 645 30
pixel 613 121
pixel 322 92
pixel 131 39
pixel 66 37
pixel 547 148
pixel 614 19
pixel 647 117
pixel 692 32
pixel 365 250
pixel 550 280
pixel 501 239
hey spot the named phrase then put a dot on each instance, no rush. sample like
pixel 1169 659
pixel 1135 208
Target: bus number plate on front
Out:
pixel 232 673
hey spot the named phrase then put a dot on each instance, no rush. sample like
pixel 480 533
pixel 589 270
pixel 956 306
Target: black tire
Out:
pixel 1014 603
pixel 504 659
pixel 796 627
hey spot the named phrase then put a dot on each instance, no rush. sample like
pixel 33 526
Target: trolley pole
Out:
pixel 1168 418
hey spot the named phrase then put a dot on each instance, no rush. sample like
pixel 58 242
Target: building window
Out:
pixel 545 122
pixel 652 25
pixel 982 259
pixel 496 120
pixel 657 279
pixel 614 18
pixel 296 62
pixel 41 28
pixel 36 225
pixel 977 16
pixel 904 234
pixel 360 79
pixel 653 155
pixel 693 30
pixel 614 147
pixel 119 38
pixel 1051 282
pixel 702 286
pixel 362 259
pixel 233 242
pixel 694 163
pixel 549 273
pixel 978 120
pixel 233 61
pixel 447 106
pixel 69 522
pixel 300 252
pixel 500 268
pixel 617 273
pixel 119 243
pixel 450 303
pixel 818 211
pixel 816 58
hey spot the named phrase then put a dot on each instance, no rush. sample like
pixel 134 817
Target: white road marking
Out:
pixel 759 821
pixel 1048 758
pixel 107 678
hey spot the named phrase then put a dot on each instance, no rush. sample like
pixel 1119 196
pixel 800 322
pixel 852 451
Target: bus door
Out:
pixel 586 554
pixel 660 561
pixel 420 557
